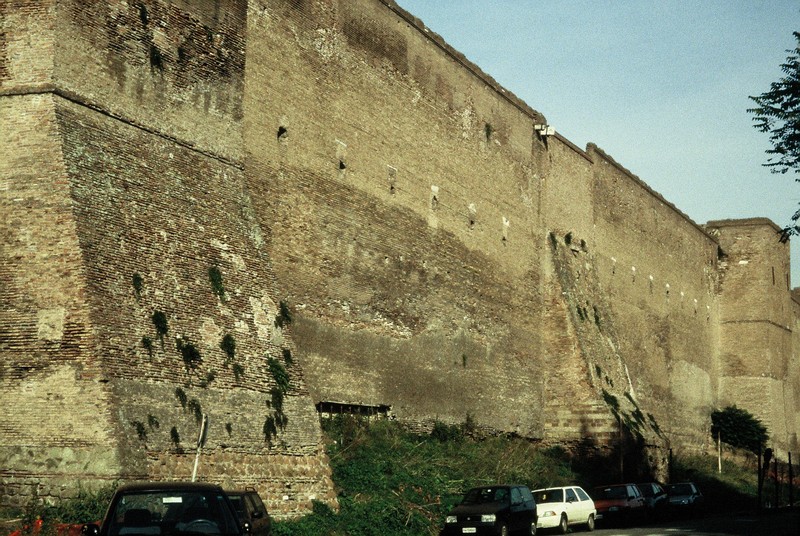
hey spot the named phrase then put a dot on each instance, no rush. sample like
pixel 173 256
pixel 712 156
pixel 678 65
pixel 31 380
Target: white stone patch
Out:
pixel 50 324
pixel 210 333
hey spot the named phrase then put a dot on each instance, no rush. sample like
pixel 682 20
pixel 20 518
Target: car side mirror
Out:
pixel 90 529
pixel 256 515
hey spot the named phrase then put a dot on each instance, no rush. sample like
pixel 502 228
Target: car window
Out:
pixel 571 495
pixel 582 494
pixel 613 492
pixel 516 496
pixel 146 512
pixel 527 496
pixel 633 491
pixel 486 495
pixel 258 504
pixel 549 495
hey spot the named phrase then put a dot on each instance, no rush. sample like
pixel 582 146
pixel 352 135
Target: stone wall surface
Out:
pixel 246 208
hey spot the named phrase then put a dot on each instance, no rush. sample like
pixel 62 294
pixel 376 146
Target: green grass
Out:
pixel 391 482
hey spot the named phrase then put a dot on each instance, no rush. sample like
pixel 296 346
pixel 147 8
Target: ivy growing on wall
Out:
pixel 228 345
pixel 147 344
pixel 284 316
pixel 215 276
pixel 138 285
pixel 160 322
pixel 141 431
pixel 279 374
pixel 194 407
pixel 181 396
pixel 189 353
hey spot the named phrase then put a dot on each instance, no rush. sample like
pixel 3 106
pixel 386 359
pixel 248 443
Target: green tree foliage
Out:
pixel 777 113
pixel 738 428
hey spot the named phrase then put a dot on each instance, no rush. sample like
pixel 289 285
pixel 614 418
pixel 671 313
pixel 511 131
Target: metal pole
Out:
pixel 791 482
pixel 201 440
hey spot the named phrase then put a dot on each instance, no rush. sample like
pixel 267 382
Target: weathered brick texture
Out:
pixel 173 171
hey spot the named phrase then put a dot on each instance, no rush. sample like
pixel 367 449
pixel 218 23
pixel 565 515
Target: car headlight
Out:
pixel 451 519
pixel 488 518
pixel 548 513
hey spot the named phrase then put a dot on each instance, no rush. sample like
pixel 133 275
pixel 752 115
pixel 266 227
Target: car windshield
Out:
pixel 166 512
pixel 680 489
pixel 612 492
pixel 486 495
pixel 548 495
pixel 647 490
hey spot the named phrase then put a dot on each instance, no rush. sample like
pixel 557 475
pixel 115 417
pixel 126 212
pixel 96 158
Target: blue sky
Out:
pixel 661 86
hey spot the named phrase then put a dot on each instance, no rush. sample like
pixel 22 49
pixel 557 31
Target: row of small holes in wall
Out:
pixel 391 171
pixel 667 288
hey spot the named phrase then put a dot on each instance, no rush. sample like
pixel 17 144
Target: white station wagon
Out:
pixel 564 506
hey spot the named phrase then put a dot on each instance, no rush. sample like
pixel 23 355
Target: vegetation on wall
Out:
pixel 160 322
pixel 147 344
pixel 215 276
pixel 284 316
pixel 228 345
pixel 189 353
pixel 180 394
pixel 138 285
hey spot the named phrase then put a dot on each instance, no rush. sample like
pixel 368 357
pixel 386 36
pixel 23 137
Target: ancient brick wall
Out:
pixel 757 322
pixel 177 174
pixel 140 293
pixel 379 161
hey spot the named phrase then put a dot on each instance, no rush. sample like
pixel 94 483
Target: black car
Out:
pixel 655 498
pixel 165 508
pixel 685 497
pixel 251 510
pixel 493 510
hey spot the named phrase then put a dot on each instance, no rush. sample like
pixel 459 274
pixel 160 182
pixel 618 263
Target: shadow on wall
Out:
pixel 621 457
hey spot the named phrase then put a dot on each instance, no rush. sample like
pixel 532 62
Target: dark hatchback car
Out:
pixel 685 497
pixel 168 508
pixel 251 511
pixel 493 510
pixel 655 498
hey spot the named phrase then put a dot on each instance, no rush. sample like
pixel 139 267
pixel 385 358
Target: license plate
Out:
pixel 469 530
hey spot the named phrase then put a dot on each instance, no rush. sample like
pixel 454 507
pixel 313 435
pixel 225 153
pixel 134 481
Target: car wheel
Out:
pixel 503 530
pixel 533 528
pixel 563 525
pixel 590 523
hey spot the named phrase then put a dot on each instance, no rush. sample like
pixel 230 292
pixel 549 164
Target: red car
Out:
pixel 619 502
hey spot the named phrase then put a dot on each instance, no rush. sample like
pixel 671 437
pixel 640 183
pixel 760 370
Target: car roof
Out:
pixel 166 486
pixel 558 487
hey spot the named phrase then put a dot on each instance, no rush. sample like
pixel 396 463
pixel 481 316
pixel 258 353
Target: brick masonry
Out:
pixel 438 255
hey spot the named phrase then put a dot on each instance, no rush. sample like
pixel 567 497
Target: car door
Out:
pixel 584 506
pixel 572 505
pixel 515 518
pixel 635 499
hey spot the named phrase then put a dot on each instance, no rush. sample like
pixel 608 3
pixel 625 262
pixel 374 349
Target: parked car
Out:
pixel 655 498
pixel 252 513
pixel 493 510
pixel 618 502
pixel 562 507
pixel 155 508
pixel 685 497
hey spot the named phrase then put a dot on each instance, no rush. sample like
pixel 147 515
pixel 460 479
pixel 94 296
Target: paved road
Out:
pixel 784 523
